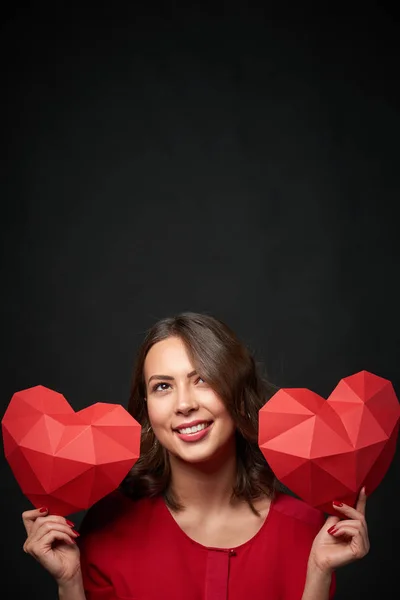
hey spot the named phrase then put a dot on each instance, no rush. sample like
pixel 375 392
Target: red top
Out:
pixel 137 551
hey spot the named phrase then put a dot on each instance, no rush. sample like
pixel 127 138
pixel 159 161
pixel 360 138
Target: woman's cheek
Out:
pixel 159 417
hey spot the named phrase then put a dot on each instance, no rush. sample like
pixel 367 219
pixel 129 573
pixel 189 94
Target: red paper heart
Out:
pixel 65 460
pixel 325 450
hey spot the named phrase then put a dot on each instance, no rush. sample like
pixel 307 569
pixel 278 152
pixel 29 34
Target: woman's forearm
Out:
pixel 317 585
pixel 73 590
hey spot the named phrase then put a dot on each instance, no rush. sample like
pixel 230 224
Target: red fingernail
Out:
pixel 336 503
pixel 70 523
pixel 76 533
pixel 332 529
pixel 43 510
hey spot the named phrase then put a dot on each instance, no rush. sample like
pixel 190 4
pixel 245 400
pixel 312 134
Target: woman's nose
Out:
pixel 186 401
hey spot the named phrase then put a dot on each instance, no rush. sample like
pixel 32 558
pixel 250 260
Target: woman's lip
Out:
pixel 192 424
pixel 195 437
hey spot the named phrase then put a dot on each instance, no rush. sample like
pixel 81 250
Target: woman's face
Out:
pixel 187 416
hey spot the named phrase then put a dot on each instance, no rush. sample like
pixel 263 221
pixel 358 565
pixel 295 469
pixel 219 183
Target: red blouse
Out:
pixel 137 551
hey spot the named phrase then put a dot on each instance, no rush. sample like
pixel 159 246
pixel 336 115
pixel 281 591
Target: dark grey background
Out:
pixel 242 164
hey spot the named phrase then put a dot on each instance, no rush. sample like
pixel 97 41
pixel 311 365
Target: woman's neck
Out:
pixel 205 486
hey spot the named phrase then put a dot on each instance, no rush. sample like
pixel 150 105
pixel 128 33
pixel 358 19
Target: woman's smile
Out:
pixel 194 433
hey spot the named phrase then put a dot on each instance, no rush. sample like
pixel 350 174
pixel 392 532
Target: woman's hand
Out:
pixel 51 540
pixel 341 541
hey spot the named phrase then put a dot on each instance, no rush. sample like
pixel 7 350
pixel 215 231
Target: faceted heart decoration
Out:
pixel 67 460
pixel 325 450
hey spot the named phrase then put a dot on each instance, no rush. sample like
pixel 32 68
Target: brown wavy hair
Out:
pixel 222 360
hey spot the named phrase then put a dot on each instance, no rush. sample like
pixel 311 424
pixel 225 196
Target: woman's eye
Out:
pixel 164 386
pixel 160 387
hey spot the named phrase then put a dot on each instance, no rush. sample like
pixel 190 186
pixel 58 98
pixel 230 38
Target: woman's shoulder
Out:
pixel 115 512
pixel 293 508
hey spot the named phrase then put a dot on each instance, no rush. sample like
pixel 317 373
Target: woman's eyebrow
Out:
pixel 169 378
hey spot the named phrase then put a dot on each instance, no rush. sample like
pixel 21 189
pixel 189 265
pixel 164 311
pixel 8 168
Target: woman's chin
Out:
pixel 205 453
pixel 194 455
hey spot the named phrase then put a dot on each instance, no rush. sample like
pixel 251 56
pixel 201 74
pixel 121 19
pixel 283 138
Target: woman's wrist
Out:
pixel 71 589
pixel 318 582
pixel 319 571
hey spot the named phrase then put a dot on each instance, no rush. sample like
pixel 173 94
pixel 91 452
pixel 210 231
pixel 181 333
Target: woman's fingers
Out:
pixel 361 501
pixel 356 537
pixel 52 520
pixel 29 517
pixel 51 540
pixel 35 549
pixel 34 519
pixel 349 511
pixel 344 530
pixel 357 524
pixel 49 526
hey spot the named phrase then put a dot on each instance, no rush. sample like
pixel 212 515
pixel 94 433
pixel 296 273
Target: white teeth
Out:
pixel 194 429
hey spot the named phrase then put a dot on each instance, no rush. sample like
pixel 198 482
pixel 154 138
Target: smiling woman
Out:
pixel 193 368
pixel 200 516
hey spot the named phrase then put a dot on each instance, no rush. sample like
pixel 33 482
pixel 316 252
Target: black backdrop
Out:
pixel 242 164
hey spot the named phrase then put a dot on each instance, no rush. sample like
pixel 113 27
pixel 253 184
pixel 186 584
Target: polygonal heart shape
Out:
pixel 325 450
pixel 65 460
